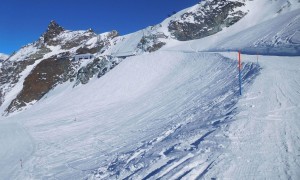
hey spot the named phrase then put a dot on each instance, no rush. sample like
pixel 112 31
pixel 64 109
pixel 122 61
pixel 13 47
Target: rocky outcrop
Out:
pixel 152 42
pixel 10 75
pixel 53 30
pixel 46 75
pixel 210 17
pixel 55 50
pixel 51 72
pixel 98 67
pixel 101 44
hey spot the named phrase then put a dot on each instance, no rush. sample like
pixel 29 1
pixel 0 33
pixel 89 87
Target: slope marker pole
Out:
pixel 240 76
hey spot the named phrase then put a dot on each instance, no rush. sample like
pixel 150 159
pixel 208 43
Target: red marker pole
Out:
pixel 240 76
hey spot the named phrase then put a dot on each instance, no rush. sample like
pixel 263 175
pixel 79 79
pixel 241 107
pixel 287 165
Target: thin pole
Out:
pixel 143 40
pixel 240 76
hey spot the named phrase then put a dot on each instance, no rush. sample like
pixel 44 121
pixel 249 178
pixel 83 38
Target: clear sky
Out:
pixel 23 21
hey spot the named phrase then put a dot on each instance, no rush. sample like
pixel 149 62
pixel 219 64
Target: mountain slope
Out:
pixel 37 68
pixel 139 112
pixel 3 56
pixel 264 138
pixel 277 36
pixel 221 21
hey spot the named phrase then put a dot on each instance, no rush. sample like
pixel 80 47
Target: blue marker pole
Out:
pixel 240 76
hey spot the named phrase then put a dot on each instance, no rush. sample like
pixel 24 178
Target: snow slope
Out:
pixel 16 146
pixel 3 56
pixel 265 141
pixel 77 130
pixel 277 36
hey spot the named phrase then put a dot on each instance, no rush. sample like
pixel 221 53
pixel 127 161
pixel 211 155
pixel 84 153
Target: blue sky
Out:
pixel 22 22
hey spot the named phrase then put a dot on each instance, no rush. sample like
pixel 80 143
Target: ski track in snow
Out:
pixel 136 129
pixel 16 147
pixel 190 147
pixel 157 119
pixel 265 141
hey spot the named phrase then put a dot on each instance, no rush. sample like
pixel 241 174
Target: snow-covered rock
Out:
pixel 50 59
pixel 275 33
pixel 206 18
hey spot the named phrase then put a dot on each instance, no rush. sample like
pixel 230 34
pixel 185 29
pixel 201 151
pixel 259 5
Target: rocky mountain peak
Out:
pixel 53 30
pixel 207 18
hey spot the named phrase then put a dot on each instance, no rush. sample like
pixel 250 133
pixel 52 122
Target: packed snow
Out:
pixel 265 141
pixel 76 130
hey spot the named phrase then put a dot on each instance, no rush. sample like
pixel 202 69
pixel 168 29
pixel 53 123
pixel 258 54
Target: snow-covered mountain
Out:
pixel 38 67
pixel 3 56
pixel 278 34
pixel 225 19
pixel 152 104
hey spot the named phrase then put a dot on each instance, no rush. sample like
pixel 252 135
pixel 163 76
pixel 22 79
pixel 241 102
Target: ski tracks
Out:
pixel 265 136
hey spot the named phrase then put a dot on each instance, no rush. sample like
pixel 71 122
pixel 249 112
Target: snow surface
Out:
pixel 76 130
pixel 125 45
pixel 140 123
pixel 3 56
pixel 24 52
pixel 265 141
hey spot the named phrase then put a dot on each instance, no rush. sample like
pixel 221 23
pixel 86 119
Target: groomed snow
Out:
pixel 77 130
pixel 265 141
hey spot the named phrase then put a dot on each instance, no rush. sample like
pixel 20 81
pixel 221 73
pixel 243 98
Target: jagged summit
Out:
pixel 53 30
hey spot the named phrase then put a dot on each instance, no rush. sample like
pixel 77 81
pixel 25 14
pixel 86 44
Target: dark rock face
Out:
pixel 46 75
pixel 54 70
pixel 53 30
pixel 99 67
pixel 152 42
pixel 10 75
pixel 156 46
pixel 209 19
pixel 100 44
pixel 51 72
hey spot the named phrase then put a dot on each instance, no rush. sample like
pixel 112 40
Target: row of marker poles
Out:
pixel 240 76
